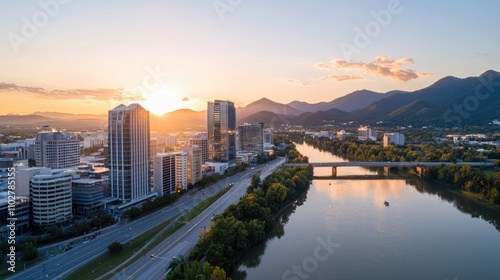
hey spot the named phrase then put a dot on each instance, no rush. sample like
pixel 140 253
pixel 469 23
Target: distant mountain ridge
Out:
pixel 450 101
pixel 445 100
pixel 70 116
pixel 265 104
pixel 347 103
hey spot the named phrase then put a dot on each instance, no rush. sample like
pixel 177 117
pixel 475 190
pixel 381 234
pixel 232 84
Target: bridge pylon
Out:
pixel 420 171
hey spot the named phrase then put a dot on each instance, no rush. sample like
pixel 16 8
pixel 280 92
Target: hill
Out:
pixel 265 104
pixel 450 101
pixel 346 103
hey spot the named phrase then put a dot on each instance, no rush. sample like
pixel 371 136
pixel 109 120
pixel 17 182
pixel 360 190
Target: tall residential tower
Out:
pixel 57 150
pixel 129 152
pixel 222 131
pixel 251 138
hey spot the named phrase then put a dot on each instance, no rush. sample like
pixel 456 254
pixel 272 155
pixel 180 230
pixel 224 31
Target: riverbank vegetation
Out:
pixel 373 151
pixel 245 224
pixel 472 181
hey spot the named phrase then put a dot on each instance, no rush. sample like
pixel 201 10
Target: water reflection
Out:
pixel 378 190
pixel 416 237
pixel 464 204
pixel 381 190
pixel 253 258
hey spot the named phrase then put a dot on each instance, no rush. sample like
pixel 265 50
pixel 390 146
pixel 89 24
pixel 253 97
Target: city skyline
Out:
pixel 75 57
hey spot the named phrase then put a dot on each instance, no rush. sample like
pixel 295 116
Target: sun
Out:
pixel 161 101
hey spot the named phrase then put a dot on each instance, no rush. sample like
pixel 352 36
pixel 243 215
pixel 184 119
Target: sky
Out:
pixel 89 56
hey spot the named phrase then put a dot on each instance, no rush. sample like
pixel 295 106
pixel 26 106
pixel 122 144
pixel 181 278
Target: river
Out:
pixel 341 229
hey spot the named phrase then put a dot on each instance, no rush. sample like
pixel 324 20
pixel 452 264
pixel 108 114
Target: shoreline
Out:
pixel 476 197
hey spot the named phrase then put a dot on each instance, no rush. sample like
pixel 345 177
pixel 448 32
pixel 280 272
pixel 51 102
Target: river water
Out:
pixel 341 229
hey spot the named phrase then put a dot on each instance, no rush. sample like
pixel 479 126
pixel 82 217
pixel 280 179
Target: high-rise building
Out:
pixel 366 133
pixel 57 150
pixel 221 117
pixel 268 137
pixel 251 138
pixel 395 138
pixel 128 131
pixel 51 197
pixel 201 141
pixel 171 140
pixel 170 172
pixel 194 158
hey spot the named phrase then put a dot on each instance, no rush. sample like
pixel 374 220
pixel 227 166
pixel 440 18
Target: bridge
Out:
pixel 387 165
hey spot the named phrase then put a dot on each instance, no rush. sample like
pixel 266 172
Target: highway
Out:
pixel 154 263
pixel 59 266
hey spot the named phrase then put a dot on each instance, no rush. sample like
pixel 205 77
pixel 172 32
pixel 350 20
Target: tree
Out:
pixel 176 261
pixel 54 230
pixel 275 196
pixel 29 251
pixel 219 274
pixel 31 162
pixel 256 231
pixel 115 248
pixel 496 163
pixel 255 180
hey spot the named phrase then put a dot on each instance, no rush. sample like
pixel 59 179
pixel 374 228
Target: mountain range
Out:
pixel 448 102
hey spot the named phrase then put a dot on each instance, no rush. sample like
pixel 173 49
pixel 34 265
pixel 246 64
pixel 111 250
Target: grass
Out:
pixel 203 205
pixel 106 262
pixel 57 252
pixel 490 172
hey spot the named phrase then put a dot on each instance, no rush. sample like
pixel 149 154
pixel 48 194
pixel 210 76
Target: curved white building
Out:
pixel 51 197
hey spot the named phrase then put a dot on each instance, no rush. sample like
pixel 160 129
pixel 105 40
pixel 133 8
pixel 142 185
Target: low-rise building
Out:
pixel 170 172
pixel 51 197
pixel 194 159
pixel 217 167
pixel 366 133
pixel 21 208
pixel 395 138
pixel 88 195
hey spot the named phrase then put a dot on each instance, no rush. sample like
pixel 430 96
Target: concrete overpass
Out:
pixel 387 165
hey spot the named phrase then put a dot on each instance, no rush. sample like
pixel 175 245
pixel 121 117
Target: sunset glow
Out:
pixel 161 101
pixel 79 61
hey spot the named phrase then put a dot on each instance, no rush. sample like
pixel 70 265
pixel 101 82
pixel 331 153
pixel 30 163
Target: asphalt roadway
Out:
pixel 153 265
pixel 61 265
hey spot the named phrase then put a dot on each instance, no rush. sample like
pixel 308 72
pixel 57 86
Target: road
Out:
pixel 59 266
pixel 154 263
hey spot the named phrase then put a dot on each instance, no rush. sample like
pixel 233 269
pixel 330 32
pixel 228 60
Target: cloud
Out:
pixel 386 67
pixel 341 78
pixel 78 94
pixel 323 66
pixel 299 82
pixel 479 54
pixel 382 66
pixel 185 99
